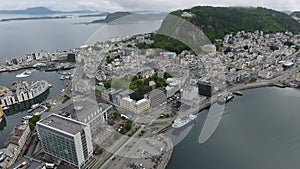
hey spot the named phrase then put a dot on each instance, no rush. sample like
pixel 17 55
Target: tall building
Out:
pixel 66 139
pixel 204 88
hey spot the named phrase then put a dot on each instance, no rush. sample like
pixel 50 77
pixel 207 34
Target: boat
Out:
pixel 2 69
pixel 33 107
pixel 68 77
pixel 2 157
pixel 238 93
pixel 62 77
pixel 27 117
pixel 225 99
pixel 26 73
pixel 179 123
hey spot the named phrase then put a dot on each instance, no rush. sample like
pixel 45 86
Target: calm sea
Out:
pixel 259 130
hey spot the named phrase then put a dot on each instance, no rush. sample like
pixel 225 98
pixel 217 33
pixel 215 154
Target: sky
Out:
pixel 139 5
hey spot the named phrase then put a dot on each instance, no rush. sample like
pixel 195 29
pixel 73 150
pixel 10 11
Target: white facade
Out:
pixel 66 139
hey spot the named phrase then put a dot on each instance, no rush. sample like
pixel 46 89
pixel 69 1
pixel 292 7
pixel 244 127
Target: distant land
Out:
pixel 45 12
pixel 112 16
pixel 126 17
pixel 42 11
pixel 216 22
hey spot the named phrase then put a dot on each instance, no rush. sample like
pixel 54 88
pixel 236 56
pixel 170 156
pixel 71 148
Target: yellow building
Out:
pixel 135 106
pixel 209 48
pixel 1 112
pixel 3 90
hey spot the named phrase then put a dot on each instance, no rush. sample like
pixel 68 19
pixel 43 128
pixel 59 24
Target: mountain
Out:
pixel 295 14
pixel 128 17
pixel 112 16
pixel 41 11
pixel 216 22
pixel 287 12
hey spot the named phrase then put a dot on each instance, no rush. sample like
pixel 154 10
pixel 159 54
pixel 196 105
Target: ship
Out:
pixel 26 73
pixel 23 91
pixel 184 121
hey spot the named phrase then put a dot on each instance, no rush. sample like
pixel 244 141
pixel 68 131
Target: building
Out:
pixel 189 93
pixel 174 86
pixel 204 88
pixel 92 113
pixel 209 48
pixel 186 15
pixel 135 106
pixel 71 57
pixel 14 144
pixel 157 97
pixel 66 139
pixel 99 116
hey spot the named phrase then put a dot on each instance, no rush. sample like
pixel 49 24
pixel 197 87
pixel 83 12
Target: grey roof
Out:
pixel 64 124
pixel 126 92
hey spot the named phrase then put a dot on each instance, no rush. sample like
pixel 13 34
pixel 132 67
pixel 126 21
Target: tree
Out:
pixel 33 120
pixel 128 125
pixel 167 75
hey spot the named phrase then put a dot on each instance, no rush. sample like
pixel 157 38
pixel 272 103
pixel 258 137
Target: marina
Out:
pixel 14 114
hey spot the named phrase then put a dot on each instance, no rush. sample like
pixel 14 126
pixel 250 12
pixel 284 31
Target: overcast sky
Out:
pixel 156 5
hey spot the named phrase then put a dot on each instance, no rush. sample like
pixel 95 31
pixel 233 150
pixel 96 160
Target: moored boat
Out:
pixel 26 73
pixel 184 121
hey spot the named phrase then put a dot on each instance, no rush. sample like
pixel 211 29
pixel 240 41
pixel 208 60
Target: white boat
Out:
pixel 34 106
pixel 27 117
pixel 62 77
pixel 24 74
pixel 179 123
pixel 2 157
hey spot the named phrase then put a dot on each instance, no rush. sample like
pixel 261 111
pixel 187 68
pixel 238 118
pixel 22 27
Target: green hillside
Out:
pixel 216 22
pixel 295 14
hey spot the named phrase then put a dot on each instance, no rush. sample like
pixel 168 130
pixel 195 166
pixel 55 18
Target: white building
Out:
pixel 174 85
pixel 66 139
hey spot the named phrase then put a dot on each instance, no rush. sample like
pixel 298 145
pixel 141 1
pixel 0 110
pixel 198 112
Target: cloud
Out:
pixel 156 5
pixel 102 5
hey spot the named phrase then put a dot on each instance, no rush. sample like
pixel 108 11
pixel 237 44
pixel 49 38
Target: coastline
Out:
pixel 211 101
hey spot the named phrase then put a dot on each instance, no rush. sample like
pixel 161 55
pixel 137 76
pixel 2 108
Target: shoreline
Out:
pixel 206 105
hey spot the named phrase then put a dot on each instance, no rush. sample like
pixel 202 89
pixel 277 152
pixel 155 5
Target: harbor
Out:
pixel 15 114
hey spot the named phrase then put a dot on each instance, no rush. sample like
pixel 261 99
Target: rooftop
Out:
pixel 64 124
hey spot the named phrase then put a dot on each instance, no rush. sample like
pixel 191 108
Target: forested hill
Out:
pixel 216 22
pixel 295 14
